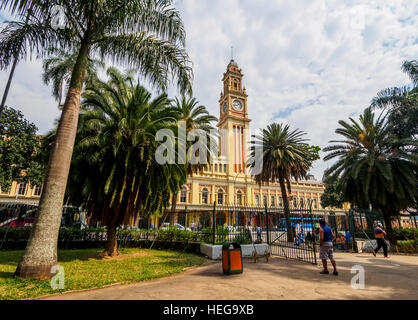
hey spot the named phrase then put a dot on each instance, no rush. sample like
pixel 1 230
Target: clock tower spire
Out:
pixel 233 120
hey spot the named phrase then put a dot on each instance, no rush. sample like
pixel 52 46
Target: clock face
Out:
pixel 237 105
pixel 225 106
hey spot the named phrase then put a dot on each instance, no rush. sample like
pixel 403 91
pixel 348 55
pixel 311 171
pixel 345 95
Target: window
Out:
pixel 22 189
pixel 295 202
pixel 264 200
pixel 301 202
pixel 220 196
pixel 216 168
pixel 239 198
pixel 280 201
pixel 257 200
pixel 183 195
pixel 204 195
pixel 315 204
pixel 210 168
pixel 224 167
pixel 272 202
pixel 37 190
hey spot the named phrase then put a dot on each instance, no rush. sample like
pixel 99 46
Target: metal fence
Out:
pixel 288 235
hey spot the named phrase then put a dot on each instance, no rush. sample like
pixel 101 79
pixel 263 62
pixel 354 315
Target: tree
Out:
pixel 285 156
pixel 194 116
pixel 374 166
pixel 146 34
pixel 114 158
pixel 402 103
pixel 58 67
pixel 332 196
pixel 20 150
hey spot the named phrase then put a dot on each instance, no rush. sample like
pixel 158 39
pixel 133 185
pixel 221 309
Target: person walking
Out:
pixel 347 244
pixel 379 235
pixel 326 248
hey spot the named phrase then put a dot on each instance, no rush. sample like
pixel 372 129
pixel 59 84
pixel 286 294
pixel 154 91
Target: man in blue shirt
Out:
pixel 347 239
pixel 326 248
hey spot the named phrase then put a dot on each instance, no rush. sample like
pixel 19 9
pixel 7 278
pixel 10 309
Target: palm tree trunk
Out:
pixel 9 81
pixel 112 242
pixel 388 226
pixel 286 210
pixel 41 251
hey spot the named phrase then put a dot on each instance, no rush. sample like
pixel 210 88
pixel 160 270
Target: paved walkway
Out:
pixel 393 278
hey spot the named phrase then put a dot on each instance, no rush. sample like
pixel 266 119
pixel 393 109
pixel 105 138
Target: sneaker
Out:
pixel 335 273
pixel 374 253
pixel 324 272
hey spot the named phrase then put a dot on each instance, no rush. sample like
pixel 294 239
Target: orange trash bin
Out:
pixel 232 258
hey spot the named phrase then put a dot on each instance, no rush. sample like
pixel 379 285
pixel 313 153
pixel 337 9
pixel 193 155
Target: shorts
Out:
pixel 326 251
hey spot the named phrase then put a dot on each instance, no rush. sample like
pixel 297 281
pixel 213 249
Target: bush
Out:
pixel 405 233
pixel 221 235
pixel 243 238
pixel 407 246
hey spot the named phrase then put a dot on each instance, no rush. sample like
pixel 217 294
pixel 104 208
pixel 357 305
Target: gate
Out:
pixel 292 237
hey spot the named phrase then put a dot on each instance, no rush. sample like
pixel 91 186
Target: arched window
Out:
pixel 37 190
pixel 22 189
pixel 183 195
pixel 264 200
pixel 220 196
pixel 204 195
pixel 295 202
pixel 257 200
pixel 272 201
pixel 239 198
pixel 301 202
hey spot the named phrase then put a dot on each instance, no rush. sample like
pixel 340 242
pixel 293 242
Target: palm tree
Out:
pixel 146 34
pixel 114 157
pixel 285 156
pixel 58 67
pixel 374 166
pixel 402 103
pixel 194 117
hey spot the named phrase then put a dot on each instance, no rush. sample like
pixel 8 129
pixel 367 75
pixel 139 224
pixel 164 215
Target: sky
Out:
pixel 305 63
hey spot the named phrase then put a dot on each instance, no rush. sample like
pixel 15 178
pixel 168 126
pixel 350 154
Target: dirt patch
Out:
pixel 120 256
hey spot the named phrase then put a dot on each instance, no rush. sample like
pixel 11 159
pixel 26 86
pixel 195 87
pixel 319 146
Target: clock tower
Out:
pixel 233 119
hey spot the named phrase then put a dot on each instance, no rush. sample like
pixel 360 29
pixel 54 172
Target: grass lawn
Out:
pixel 85 269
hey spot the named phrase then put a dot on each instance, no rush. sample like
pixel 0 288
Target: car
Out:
pixel 165 226
pixel 180 227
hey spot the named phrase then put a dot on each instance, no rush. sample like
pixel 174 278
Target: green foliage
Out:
pixel 332 196
pixel 374 165
pixel 313 153
pixel 65 234
pixel 147 35
pixel 242 238
pixel 221 234
pixel 407 246
pixel 84 269
pixel 20 150
pixel 285 154
pixel 58 66
pixel 405 233
pixel 402 103
pixel 114 155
